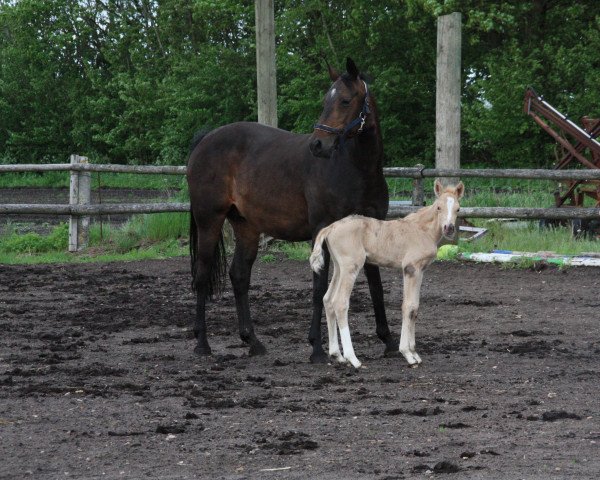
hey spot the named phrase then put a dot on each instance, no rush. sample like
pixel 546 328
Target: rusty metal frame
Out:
pixel 585 139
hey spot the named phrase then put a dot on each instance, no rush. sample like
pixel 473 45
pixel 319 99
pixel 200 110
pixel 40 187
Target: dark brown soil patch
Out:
pixel 98 378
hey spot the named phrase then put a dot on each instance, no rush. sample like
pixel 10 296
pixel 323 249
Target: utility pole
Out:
pixel 265 62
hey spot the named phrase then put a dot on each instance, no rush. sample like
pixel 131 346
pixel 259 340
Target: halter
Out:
pixel 361 119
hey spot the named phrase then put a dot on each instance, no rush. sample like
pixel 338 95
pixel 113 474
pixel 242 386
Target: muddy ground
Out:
pixel 98 378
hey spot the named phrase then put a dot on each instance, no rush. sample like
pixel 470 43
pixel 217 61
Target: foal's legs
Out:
pixel 334 346
pixel 341 303
pixel 410 308
pixel 246 248
pixel 382 328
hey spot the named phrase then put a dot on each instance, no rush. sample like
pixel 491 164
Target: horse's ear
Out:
pixel 351 68
pixel 333 74
pixel 438 187
pixel 460 190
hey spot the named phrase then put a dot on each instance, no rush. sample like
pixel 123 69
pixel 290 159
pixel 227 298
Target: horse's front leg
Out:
pixel 246 248
pixel 413 278
pixel 319 287
pixel 382 328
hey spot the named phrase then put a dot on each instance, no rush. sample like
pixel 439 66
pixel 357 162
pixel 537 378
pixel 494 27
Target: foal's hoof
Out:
pixel 257 349
pixel 202 350
pixel 319 357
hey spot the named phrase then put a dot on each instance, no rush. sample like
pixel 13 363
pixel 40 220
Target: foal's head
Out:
pixel 447 206
pixel 345 113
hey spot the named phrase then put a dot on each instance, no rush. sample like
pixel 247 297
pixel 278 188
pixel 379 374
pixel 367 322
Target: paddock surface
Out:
pixel 98 378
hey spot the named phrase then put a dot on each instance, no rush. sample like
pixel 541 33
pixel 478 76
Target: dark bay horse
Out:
pixel 288 186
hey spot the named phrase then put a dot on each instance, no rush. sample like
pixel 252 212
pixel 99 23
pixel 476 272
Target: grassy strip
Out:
pixel 163 235
pixel 529 239
pixel 99 179
pixel 144 236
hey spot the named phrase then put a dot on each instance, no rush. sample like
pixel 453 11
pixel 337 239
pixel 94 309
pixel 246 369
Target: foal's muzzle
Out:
pixel 449 230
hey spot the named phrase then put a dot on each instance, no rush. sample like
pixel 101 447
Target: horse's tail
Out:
pixel 316 257
pixel 218 265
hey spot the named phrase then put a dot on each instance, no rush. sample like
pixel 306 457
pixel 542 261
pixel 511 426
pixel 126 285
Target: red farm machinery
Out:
pixel 577 148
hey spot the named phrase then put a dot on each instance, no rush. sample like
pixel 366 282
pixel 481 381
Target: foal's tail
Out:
pixel 316 257
pixel 218 266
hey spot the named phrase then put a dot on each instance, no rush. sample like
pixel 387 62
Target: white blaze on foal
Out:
pixel 410 244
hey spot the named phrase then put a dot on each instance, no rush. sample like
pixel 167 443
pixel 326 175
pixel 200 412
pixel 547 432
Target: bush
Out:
pixel 36 243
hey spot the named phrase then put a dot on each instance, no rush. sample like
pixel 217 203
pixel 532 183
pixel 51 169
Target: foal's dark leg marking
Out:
pixel 241 268
pixel 382 328
pixel 409 270
pixel 319 288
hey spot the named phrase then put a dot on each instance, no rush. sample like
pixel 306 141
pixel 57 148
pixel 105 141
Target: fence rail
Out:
pixel 80 209
pixel 404 172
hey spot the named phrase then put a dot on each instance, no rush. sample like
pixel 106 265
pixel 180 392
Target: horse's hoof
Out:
pixel 257 349
pixel 392 348
pixel 202 350
pixel 392 353
pixel 319 357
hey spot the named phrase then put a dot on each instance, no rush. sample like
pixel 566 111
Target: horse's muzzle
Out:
pixel 322 148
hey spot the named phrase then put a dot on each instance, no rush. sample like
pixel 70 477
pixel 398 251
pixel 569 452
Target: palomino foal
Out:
pixel 410 243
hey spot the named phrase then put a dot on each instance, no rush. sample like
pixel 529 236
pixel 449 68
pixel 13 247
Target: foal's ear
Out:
pixel 438 188
pixel 460 190
pixel 351 68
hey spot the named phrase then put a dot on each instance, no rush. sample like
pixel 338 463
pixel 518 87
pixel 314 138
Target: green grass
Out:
pixel 293 250
pixel 529 239
pixel 99 179
pixel 144 236
pixel 164 235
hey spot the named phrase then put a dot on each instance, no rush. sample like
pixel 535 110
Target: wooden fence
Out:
pixel 80 209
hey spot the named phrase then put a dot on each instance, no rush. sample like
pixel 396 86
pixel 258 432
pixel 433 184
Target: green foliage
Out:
pixel 268 258
pixel 293 250
pixel 30 243
pixel 501 236
pixel 145 236
pixel 130 82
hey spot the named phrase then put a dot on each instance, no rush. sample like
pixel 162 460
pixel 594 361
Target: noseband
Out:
pixel 360 120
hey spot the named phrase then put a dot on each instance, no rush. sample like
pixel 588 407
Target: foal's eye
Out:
pixel 439 208
pixel 458 209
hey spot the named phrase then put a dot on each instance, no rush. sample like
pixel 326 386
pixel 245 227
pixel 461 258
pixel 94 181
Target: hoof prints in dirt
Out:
pixel 288 443
pixel 537 348
pixel 117 361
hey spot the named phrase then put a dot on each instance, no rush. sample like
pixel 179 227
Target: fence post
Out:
pixel 448 88
pixel 418 193
pixel 80 194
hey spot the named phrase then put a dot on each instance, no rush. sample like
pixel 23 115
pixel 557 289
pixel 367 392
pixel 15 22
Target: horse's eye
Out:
pixel 345 102
pixel 439 208
pixel 458 209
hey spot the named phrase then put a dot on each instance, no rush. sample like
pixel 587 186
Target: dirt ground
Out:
pixel 98 378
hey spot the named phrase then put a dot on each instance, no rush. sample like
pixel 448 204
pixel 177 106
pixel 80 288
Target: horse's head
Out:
pixel 345 113
pixel 447 206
